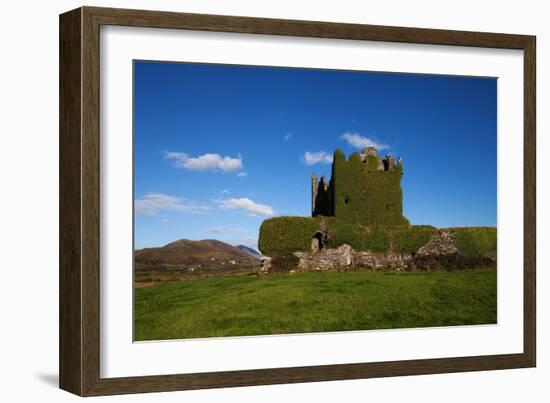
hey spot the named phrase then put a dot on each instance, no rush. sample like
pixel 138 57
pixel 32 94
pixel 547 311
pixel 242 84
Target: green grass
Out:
pixel 313 302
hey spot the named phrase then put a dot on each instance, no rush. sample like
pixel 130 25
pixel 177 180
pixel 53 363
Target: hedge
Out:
pixel 281 236
pixel 475 241
pixel 285 235
pixel 359 237
pixel 409 240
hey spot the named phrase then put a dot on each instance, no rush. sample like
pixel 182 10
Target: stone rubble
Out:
pixel 442 243
pixel 326 259
pixel 346 258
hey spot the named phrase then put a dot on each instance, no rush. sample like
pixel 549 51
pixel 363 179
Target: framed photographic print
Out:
pixel 248 201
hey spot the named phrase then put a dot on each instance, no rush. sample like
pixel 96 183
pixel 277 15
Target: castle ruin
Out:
pixel 364 189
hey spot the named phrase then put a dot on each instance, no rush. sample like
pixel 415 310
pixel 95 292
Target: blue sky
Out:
pixel 218 149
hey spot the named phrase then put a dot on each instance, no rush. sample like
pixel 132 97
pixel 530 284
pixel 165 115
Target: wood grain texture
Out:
pixel 80 201
pixel 530 203
pixel 316 29
pixel 70 271
pixel 90 202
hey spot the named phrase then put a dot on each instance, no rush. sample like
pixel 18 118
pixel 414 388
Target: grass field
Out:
pixel 313 302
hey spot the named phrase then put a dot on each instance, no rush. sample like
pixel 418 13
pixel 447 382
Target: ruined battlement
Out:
pixel 382 164
pixel 363 189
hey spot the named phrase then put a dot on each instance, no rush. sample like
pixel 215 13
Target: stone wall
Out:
pixel 326 259
pixel 321 196
pixel 344 257
pixel 439 253
pixel 382 261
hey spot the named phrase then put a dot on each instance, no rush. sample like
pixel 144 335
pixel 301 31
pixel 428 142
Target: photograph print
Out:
pixel 275 200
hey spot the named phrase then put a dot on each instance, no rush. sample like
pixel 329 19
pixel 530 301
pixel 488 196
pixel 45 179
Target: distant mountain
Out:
pixel 187 252
pixel 250 251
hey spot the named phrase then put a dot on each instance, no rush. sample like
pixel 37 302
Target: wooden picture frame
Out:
pixel 79 346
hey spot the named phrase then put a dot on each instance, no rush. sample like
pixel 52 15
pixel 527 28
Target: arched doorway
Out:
pixel 318 241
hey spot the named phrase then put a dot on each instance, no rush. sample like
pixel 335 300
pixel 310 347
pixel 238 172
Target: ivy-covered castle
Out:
pixel 364 189
pixel 357 222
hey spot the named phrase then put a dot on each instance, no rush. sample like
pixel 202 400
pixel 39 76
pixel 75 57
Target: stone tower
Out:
pixel 364 189
pixel 321 196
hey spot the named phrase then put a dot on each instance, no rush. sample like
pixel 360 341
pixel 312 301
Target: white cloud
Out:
pixel 152 203
pixel 358 141
pixel 206 162
pixel 288 136
pixel 220 230
pixel 225 192
pixel 321 157
pixel 242 174
pixel 246 205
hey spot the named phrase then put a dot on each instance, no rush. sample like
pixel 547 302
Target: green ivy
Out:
pixel 409 240
pixel 365 195
pixel 475 241
pixel 281 236
pixel 359 237
pixel 285 235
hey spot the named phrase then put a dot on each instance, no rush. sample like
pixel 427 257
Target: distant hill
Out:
pixel 250 251
pixel 187 252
